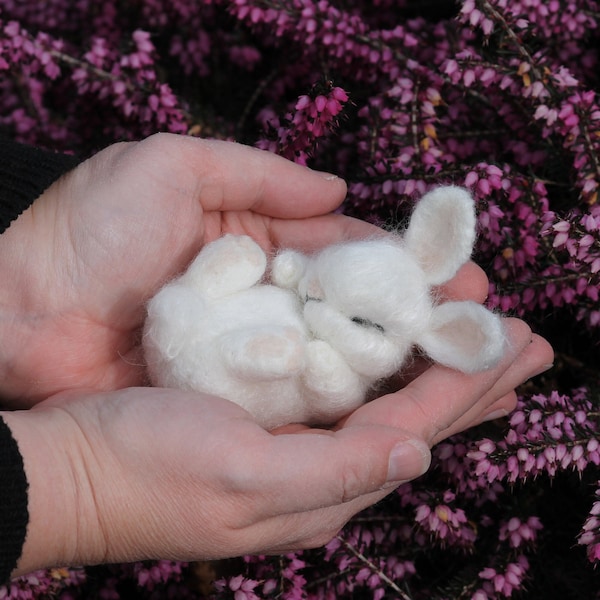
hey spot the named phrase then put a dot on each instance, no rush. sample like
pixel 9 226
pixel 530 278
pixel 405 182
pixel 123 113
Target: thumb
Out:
pixel 330 468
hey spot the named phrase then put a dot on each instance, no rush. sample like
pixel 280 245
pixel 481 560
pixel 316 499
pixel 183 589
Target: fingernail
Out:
pixel 408 460
pixel 496 414
pixel 325 175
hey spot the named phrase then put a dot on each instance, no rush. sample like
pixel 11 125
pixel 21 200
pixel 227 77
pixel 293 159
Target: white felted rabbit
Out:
pixel 309 346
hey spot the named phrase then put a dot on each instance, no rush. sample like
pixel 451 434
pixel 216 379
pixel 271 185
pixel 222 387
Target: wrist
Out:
pixel 62 528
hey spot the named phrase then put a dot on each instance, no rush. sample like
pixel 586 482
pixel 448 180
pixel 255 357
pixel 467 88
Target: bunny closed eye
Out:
pixel 363 322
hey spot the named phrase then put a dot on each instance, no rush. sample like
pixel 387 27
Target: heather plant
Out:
pixel 396 96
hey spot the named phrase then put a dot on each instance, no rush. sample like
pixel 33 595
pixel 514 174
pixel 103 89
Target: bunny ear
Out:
pixel 464 336
pixel 441 233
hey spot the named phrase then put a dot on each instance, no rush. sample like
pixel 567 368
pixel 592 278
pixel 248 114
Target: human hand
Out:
pixel 78 266
pixel 152 473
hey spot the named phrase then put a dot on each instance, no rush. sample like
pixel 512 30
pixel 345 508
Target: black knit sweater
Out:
pixel 13 503
pixel 25 173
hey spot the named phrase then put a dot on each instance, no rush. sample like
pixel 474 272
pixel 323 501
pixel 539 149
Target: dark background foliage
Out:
pixel 395 96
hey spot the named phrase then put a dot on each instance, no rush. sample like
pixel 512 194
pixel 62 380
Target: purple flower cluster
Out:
pixel 279 577
pixel 396 97
pixel 295 136
pixel 449 524
pixel 129 100
pixel 549 434
pixel 129 82
pixel 518 532
pixel 590 532
pixel 40 584
pixel 239 587
pixel 502 584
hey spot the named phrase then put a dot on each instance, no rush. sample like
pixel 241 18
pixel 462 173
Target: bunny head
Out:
pixel 372 299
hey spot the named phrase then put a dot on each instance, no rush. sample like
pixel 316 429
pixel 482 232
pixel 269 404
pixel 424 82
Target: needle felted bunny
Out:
pixel 308 346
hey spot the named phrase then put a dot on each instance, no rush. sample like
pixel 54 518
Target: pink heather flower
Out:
pixel 296 135
pixel 446 524
pixel 556 436
pixel 505 581
pixel 517 532
pixel 42 583
pixel 241 587
pixel 589 535
pixel 151 575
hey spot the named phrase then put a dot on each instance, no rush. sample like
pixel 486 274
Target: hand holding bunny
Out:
pixel 309 346
pixel 166 474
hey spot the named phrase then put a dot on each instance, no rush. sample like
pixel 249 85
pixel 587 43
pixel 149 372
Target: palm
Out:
pixel 114 243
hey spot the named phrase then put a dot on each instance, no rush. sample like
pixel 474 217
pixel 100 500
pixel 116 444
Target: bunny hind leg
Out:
pixel 263 353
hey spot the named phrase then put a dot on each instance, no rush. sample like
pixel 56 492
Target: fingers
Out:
pixel 234 177
pixel 323 230
pixel 308 529
pixel 534 359
pixel 470 283
pixel 442 402
pixel 499 409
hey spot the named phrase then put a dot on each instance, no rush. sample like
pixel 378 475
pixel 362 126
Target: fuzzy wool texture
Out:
pixel 309 345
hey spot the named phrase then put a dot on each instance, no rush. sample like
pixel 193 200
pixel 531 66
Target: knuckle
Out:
pixel 351 483
pixel 430 423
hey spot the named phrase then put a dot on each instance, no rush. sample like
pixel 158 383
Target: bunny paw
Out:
pixel 328 374
pixel 228 265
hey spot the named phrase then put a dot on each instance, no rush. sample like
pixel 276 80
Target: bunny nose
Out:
pixel 314 290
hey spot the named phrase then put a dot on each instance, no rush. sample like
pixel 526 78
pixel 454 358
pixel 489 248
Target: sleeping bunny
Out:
pixel 309 346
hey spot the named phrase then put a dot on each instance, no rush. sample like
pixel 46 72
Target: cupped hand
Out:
pixel 151 473
pixel 154 473
pixel 78 266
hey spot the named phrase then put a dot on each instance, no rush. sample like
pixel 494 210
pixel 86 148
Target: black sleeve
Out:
pixel 25 172
pixel 13 503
